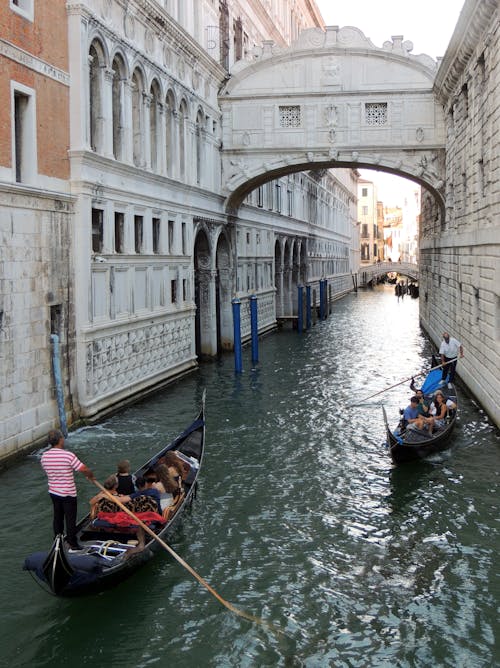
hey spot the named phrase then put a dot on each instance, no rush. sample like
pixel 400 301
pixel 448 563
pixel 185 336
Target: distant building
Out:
pixel 369 222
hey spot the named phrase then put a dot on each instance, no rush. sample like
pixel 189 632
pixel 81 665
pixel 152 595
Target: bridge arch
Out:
pixel 332 100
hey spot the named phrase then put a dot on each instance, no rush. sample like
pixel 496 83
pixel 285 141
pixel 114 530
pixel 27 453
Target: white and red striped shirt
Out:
pixel 59 465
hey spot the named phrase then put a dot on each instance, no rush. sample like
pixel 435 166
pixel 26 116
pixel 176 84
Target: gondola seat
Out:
pixel 120 522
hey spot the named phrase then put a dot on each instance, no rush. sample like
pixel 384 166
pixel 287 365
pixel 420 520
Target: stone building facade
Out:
pixel 116 236
pixel 36 210
pixel 460 251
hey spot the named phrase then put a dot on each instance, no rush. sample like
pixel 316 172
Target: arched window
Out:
pixel 183 116
pixel 170 132
pixel 199 146
pixel 137 118
pixel 96 68
pixel 154 125
pixel 118 68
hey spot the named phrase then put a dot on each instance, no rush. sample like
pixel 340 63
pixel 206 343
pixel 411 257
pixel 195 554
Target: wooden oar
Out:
pixel 415 375
pixel 181 561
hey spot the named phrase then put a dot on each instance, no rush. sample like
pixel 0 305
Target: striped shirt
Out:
pixel 59 465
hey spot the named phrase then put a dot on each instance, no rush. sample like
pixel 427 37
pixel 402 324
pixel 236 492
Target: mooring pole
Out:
pixel 321 299
pixel 300 315
pixel 255 328
pixel 238 366
pixel 56 367
pixel 308 306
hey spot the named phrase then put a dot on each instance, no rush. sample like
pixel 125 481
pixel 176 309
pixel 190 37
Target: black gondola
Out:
pixel 108 555
pixel 410 444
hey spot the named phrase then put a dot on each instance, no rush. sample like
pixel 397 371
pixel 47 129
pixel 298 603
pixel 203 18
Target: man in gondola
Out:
pixel 449 350
pixel 59 464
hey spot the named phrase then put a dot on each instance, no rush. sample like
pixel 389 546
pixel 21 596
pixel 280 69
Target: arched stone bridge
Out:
pixel 370 272
pixel 333 99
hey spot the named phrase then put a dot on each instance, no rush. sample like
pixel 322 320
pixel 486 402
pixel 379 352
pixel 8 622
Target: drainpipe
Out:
pixel 56 367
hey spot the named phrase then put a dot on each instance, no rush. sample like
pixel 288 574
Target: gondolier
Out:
pixel 59 465
pixel 449 350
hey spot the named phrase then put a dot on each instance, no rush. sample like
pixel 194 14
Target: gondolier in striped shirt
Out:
pixel 59 464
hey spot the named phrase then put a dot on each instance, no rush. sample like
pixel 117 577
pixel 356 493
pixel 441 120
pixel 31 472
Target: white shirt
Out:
pixel 450 349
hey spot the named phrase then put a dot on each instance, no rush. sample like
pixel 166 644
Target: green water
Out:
pixel 300 519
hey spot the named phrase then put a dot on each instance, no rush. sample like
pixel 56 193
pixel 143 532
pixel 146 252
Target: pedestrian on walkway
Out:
pixel 59 464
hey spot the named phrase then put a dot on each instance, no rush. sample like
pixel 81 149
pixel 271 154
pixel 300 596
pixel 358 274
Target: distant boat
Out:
pixel 108 556
pixel 410 444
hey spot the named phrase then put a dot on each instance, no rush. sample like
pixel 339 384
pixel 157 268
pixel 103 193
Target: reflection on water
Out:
pixel 300 519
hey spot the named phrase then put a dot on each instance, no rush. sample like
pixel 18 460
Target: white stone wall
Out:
pixel 35 274
pixel 460 253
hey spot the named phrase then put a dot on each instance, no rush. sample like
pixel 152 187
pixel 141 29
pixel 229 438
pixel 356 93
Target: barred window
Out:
pixel 290 116
pixel 376 113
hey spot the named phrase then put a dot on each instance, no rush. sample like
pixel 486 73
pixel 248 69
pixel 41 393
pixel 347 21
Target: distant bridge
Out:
pixel 370 272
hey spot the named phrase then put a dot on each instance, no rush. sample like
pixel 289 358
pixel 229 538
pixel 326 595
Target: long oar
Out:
pixel 415 375
pixel 228 605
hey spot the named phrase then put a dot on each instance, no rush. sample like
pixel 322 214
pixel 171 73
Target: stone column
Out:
pixel 146 131
pixel 128 140
pixel 107 112
pixel 162 139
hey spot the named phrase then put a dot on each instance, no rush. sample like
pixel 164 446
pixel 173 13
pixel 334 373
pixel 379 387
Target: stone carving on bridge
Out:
pixel 331 72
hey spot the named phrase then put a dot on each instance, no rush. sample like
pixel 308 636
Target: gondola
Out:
pixel 110 553
pixel 407 445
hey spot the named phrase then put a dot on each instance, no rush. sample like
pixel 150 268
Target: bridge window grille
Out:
pixel 290 116
pixel 376 113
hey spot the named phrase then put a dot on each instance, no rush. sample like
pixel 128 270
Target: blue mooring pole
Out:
pixel 56 367
pixel 322 299
pixel 300 319
pixel 308 306
pixel 238 366
pixel 327 306
pixel 255 329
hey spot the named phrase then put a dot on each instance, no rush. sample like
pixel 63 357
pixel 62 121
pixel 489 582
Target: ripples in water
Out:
pixel 300 519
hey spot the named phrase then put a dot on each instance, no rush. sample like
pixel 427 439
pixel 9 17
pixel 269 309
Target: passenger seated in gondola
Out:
pixel 414 419
pixel 101 501
pixel 126 481
pixel 188 466
pixel 147 497
pixel 170 487
pixel 441 410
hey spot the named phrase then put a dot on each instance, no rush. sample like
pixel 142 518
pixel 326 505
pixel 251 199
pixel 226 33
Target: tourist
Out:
pixel 101 503
pixel 125 479
pixel 59 464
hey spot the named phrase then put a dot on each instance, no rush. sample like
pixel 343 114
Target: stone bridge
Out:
pixel 332 99
pixel 370 272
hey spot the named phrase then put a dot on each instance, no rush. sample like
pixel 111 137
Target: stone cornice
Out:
pixel 473 22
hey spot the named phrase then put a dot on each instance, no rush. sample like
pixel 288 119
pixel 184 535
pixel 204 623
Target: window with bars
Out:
pixel 290 116
pixel 376 113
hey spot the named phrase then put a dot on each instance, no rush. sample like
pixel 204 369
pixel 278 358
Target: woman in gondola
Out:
pixel 441 410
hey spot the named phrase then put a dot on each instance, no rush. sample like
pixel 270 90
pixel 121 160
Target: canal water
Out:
pixel 300 519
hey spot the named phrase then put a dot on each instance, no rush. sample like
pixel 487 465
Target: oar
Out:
pixel 174 554
pixel 415 375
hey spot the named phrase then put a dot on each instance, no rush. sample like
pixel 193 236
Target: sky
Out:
pixel 429 24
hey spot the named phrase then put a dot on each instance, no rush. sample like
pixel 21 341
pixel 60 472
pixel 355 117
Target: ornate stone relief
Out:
pixel 149 42
pixel 129 25
pixel 119 360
